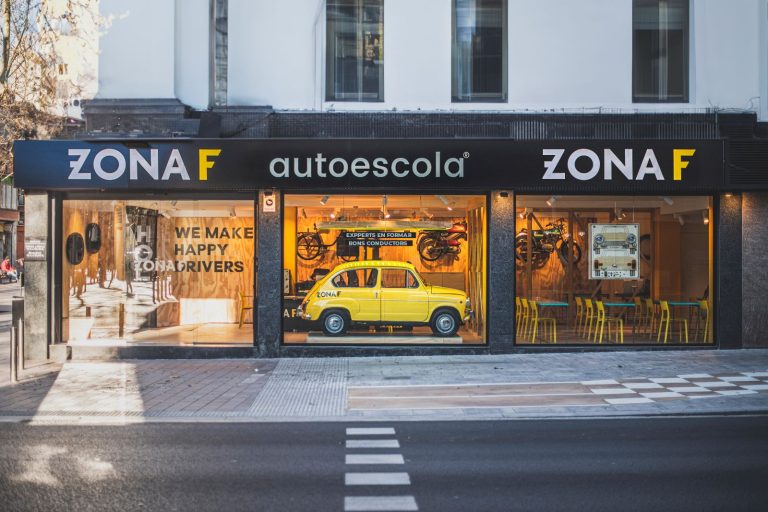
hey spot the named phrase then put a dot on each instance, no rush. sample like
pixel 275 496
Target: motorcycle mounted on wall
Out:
pixel 550 238
pixel 433 245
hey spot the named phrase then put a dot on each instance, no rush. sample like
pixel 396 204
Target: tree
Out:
pixel 47 48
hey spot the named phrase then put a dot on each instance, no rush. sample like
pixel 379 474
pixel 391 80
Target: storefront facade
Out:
pixel 447 245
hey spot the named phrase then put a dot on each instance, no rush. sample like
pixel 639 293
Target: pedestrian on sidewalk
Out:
pixel 6 267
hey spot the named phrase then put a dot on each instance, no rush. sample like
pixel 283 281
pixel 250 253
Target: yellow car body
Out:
pixel 383 293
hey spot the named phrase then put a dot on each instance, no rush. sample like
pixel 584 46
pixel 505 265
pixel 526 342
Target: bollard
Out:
pixel 120 319
pixel 88 311
pixel 14 367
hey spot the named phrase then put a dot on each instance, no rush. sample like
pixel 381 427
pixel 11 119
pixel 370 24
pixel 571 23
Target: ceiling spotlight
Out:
pixel 335 213
pixel 679 218
pixel 552 200
pixel 426 213
pixel 621 214
pixel 523 214
pixel 705 216
pixel 232 212
pixel 667 200
pixel 304 213
pixel 445 202
pixel 324 200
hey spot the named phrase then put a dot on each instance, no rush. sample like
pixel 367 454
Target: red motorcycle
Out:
pixel 434 244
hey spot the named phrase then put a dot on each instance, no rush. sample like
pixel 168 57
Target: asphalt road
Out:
pixel 660 464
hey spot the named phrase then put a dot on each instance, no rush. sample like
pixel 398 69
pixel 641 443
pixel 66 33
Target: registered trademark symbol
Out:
pixel 466 154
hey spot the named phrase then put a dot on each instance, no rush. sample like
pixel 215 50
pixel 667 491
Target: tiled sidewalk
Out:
pixel 540 385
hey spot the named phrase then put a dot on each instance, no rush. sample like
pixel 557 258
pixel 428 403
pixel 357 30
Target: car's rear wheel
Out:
pixel 335 323
pixel 445 323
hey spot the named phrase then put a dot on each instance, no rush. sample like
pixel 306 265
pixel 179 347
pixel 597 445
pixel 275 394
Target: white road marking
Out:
pixel 377 479
pixel 598 382
pixel 373 443
pixel 727 392
pixel 613 391
pixel 669 380
pixel 365 458
pixel 715 384
pixel 755 387
pixel 687 389
pixel 643 385
pixel 622 401
pixel 662 394
pixel 387 431
pixel 756 374
pixel 38 465
pixel 696 376
pixel 739 379
pixel 379 503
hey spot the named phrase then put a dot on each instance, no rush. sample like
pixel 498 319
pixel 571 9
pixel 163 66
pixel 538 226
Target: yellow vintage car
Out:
pixel 383 293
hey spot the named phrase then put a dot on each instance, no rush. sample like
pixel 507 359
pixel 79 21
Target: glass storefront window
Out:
pixel 614 270
pixel 384 269
pixel 158 271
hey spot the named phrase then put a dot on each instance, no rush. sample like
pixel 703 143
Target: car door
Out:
pixel 403 297
pixel 358 292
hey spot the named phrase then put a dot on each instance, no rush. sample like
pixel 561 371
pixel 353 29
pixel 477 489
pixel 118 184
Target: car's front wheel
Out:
pixel 445 323
pixel 335 323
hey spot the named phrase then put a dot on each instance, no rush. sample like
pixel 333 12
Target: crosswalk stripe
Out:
pixel 373 443
pixel 365 458
pixel 377 479
pixel 379 503
pixel 382 431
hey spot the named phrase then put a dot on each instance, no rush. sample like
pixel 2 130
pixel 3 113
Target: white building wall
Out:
pixel 136 50
pixel 563 55
pixel 191 55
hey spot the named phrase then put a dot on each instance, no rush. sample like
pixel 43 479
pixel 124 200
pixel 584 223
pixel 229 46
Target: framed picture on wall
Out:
pixel 613 251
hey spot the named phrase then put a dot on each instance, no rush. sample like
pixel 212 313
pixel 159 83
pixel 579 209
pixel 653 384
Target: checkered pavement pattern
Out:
pixel 694 385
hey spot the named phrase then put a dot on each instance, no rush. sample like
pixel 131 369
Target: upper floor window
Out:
pixel 660 51
pixel 354 50
pixel 479 48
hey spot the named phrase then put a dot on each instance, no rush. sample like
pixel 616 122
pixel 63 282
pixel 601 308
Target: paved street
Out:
pixel 680 464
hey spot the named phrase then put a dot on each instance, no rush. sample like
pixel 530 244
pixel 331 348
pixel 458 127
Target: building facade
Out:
pixel 527 175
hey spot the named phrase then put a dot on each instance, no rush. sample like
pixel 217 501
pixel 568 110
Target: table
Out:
pixel 625 305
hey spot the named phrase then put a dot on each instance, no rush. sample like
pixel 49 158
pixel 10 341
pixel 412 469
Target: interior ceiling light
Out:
pixel 335 213
pixel 552 200
pixel 445 202
pixel 667 200
pixel 426 213
pixel 304 213
pixel 523 214
pixel 384 201
pixel 705 216
pixel 232 212
pixel 679 218
pixel 324 200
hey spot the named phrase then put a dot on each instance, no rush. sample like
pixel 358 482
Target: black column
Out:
pixel 728 272
pixel 501 272
pixel 269 278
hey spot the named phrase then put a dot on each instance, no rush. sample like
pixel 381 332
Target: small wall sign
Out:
pixel 36 248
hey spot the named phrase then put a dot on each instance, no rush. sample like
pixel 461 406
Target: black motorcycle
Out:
pixel 553 238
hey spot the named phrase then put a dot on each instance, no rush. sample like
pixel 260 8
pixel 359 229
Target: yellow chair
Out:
pixel 665 318
pixel 602 319
pixel 703 311
pixel 579 314
pixel 650 315
pixel 525 316
pixel 518 312
pixel 589 317
pixel 245 305
pixel 547 324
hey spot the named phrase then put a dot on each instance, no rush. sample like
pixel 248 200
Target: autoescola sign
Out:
pixel 210 164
